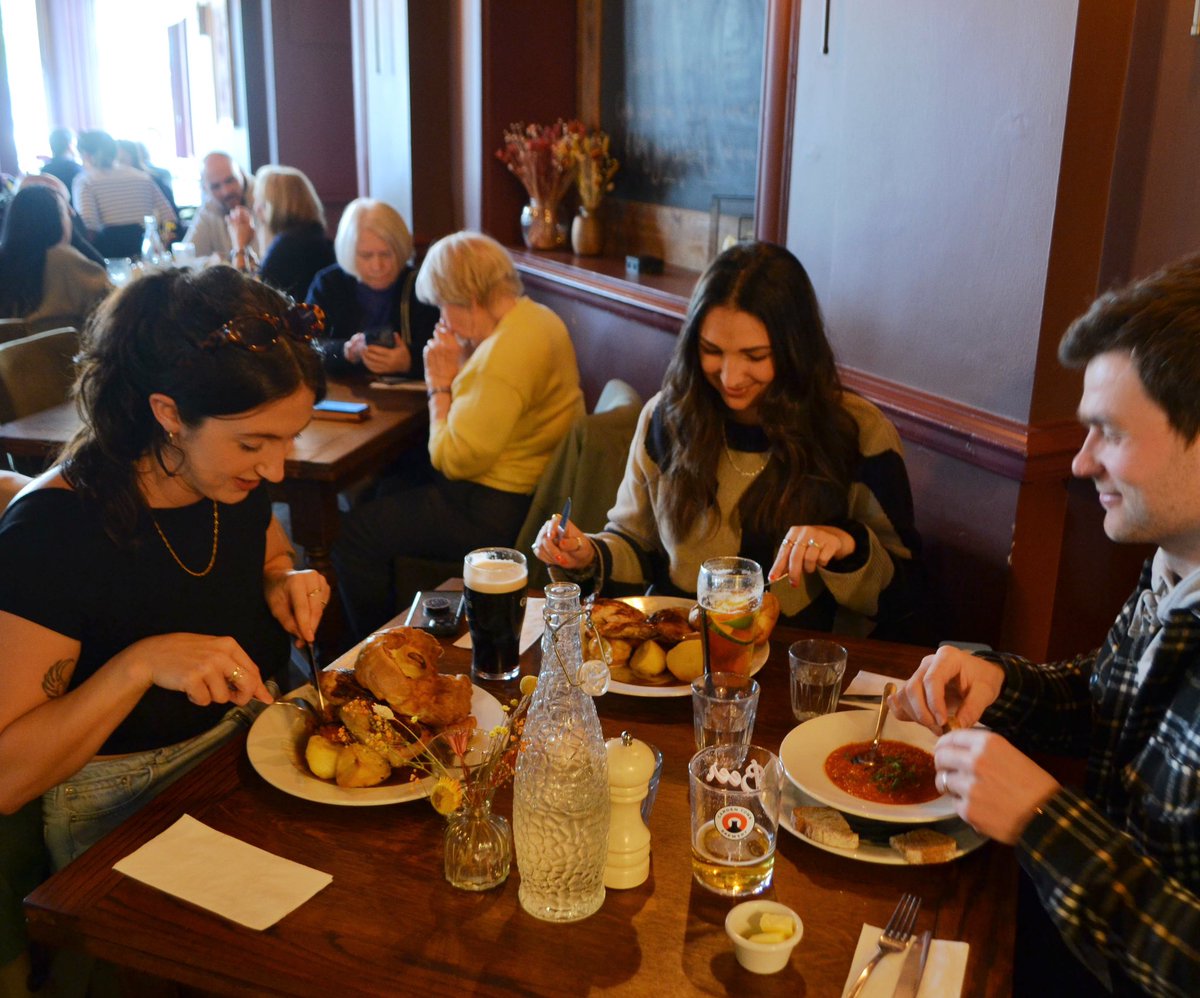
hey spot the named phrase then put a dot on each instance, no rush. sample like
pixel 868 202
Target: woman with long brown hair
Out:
pixel 753 447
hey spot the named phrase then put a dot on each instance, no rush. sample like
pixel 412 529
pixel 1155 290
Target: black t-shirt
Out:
pixel 59 569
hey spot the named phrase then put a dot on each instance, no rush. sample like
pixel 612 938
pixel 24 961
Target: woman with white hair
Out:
pixel 503 389
pixel 372 315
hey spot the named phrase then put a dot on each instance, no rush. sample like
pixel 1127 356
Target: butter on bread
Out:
pixel 825 825
pixel 924 845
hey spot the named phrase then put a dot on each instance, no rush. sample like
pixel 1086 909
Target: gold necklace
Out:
pixel 745 474
pixel 212 560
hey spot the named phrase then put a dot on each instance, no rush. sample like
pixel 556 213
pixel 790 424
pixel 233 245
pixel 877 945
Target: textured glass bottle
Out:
pixel 560 794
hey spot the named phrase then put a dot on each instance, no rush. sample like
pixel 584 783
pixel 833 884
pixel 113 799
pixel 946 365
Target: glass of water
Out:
pixel 817 666
pixel 120 270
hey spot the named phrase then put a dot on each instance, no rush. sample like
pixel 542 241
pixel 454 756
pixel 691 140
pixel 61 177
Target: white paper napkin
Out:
pixel 531 627
pixel 945 968
pixel 222 874
pixel 868 684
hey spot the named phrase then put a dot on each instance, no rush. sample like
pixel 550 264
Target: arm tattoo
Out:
pixel 54 682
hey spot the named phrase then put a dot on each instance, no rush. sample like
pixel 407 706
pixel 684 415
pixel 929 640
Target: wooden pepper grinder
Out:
pixel 630 765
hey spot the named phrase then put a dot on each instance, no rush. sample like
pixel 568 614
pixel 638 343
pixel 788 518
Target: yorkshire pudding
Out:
pixel 399 666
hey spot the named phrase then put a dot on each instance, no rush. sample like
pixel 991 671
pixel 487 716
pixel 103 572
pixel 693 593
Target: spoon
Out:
pixel 871 757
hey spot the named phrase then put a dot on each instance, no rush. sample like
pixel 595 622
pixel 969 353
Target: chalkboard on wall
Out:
pixel 680 95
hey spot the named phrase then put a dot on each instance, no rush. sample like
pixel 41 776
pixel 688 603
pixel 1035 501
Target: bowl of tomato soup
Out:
pixel 818 757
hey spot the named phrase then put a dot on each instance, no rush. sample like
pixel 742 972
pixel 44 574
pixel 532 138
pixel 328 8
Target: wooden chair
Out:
pixel 36 373
pixel 13 329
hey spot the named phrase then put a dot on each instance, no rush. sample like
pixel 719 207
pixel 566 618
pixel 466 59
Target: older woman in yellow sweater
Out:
pixel 503 391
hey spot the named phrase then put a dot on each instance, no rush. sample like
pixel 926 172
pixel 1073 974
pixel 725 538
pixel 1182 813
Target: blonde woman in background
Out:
pixel 503 389
pixel 287 230
pixel 373 318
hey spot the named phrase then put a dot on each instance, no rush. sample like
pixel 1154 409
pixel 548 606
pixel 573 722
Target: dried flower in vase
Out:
pixel 594 166
pixel 470 774
pixel 540 157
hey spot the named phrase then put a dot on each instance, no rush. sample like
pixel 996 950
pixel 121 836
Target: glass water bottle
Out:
pixel 560 793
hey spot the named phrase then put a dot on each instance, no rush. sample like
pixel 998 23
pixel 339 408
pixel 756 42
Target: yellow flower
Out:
pixel 447 795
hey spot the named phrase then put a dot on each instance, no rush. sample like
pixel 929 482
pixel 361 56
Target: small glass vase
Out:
pixel 587 232
pixel 478 847
pixel 540 227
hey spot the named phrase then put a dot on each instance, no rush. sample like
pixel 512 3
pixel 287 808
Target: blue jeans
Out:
pixel 84 808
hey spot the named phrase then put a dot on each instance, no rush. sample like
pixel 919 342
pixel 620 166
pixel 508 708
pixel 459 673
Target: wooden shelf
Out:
pixel 665 294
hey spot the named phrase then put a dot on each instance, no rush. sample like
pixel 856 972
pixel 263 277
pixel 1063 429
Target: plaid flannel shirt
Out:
pixel 1118 867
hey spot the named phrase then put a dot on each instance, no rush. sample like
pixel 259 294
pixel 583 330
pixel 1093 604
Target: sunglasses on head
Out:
pixel 261 332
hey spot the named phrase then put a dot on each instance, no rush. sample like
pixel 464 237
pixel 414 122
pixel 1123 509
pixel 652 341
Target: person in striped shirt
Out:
pixel 113 200
pixel 1115 865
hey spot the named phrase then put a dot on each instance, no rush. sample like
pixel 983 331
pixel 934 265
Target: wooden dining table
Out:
pixel 329 457
pixel 388 923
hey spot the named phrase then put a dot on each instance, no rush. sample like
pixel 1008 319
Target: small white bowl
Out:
pixel 761 958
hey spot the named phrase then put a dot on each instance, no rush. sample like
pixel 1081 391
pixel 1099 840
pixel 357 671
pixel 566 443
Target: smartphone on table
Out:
pixel 354 412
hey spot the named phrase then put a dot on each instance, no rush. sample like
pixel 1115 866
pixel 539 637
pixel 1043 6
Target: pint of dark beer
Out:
pixel 495 581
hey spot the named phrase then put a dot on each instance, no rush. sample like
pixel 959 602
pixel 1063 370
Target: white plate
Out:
pixel 807 746
pixel 874 852
pixel 652 604
pixel 273 748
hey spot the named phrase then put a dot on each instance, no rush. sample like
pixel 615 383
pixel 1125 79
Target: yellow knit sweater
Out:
pixel 512 402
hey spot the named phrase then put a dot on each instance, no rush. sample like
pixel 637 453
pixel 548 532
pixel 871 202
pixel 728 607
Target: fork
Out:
pixel 893 939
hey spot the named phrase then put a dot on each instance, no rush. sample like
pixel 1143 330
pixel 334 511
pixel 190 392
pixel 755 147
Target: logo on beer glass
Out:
pixel 734 822
pixel 750 781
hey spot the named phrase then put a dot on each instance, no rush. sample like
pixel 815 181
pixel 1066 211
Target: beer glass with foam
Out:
pixel 495 580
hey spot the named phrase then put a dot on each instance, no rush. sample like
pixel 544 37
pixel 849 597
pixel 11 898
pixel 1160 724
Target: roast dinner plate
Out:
pixel 806 747
pixel 275 751
pixel 873 844
pixel 674 688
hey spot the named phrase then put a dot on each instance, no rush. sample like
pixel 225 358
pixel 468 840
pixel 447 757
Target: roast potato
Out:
pixel 359 766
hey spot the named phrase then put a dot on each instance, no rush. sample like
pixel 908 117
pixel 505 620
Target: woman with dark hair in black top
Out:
pixel 148 593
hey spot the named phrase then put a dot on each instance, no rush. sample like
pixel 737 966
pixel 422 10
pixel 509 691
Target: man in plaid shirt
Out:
pixel 1116 867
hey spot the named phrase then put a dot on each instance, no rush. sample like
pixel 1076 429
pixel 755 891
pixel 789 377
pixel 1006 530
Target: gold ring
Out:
pixel 812 543
pixel 788 543
pixel 314 592
pixel 233 676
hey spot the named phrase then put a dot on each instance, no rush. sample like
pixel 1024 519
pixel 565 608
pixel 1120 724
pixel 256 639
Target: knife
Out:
pixel 316 678
pixel 914 966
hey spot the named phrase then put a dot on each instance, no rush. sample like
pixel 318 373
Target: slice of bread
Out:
pixel 825 825
pixel 924 845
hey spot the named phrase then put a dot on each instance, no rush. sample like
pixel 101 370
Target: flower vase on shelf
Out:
pixel 540 227
pixel 587 232
pixel 478 847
